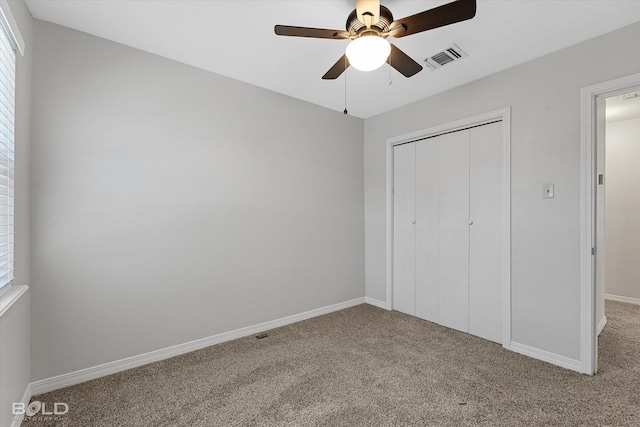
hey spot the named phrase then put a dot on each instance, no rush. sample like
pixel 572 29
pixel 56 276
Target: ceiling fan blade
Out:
pixel 403 62
pixel 369 7
pixel 337 69
pixel 316 33
pixel 450 13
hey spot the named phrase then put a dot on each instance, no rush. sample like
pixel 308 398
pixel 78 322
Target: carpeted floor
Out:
pixel 364 366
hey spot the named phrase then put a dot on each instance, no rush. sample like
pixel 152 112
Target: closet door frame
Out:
pixel 503 115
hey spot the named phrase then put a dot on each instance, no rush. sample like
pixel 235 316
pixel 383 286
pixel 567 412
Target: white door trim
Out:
pixel 505 116
pixel 588 102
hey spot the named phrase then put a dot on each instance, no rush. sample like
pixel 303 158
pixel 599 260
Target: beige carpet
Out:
pixel 366 367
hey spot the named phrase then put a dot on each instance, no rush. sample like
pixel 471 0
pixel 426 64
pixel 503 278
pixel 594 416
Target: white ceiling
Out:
pixel 235 38
pixel 622 109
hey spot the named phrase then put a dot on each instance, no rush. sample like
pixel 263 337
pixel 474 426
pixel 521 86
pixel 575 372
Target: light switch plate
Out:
pixel 547 191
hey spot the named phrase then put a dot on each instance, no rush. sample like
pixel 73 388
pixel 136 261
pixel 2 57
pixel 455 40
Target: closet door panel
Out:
pixel 453 230
pixel 404 240
pixel 486 239
pixel 427 233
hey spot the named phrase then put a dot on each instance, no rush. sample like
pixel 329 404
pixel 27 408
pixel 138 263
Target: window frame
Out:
pixel 12 44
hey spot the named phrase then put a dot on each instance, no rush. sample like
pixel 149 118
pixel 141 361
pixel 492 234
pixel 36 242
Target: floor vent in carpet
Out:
pixel 261 336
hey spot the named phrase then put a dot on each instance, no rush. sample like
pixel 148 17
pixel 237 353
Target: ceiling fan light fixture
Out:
pixel 368 52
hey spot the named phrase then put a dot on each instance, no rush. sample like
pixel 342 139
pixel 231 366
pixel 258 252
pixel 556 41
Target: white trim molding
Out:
pixel 12 294
pixel 620 298
pixel 588 138
pixel 26 397
pixel 377 303
pixel 602 324
pixel 545 356
pixel 11 26
pixel 503 115
pixel 83 375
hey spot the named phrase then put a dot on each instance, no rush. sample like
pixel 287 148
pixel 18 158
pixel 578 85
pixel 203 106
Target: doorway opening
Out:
pixel 620 241
pixel 617 202
pixel 593 252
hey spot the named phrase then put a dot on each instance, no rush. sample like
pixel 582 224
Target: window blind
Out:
pixel 7 157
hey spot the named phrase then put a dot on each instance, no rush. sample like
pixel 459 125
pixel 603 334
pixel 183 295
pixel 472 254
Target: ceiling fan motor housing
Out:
pixel 357 28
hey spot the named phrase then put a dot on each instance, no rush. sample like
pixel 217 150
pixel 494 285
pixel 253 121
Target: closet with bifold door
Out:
pixel 449 229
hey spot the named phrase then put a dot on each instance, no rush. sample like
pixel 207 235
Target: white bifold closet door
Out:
pixel 404 236
pixel 442 230
pixel 449 229
pixel 487 234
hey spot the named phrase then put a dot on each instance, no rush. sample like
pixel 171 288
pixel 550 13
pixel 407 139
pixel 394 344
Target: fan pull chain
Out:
pixel 390 80
pixel 345 85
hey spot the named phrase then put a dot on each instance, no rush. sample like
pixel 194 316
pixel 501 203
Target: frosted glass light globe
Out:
pixel 367 53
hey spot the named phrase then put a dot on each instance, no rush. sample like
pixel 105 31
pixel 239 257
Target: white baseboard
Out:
pixel 377 303
pixel 602 324
pixel 546 356
pixel 72 378
pixel 622 299
pixel 26 397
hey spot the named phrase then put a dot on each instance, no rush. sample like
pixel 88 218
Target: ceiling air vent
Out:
pixel 445 56
pixel 630 95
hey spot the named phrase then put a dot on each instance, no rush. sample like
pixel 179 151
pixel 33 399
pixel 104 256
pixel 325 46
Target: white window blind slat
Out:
pixel 6 275
pixel 7 156
pixel 8 136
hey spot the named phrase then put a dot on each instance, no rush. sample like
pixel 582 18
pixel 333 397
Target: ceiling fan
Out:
pixel 370 24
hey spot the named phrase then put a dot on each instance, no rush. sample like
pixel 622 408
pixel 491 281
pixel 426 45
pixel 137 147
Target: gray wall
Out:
pixel 545 144
pixel 623 209
pixel 15 366
pixel 15 369
pixel 172 204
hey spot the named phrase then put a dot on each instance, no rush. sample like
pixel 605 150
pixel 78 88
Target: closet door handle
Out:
pixel 470 222
pixel 413 222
